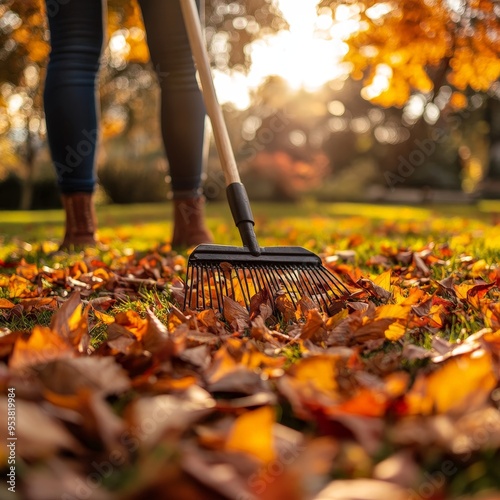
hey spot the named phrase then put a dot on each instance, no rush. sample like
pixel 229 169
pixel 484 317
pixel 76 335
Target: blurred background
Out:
pixel 328 100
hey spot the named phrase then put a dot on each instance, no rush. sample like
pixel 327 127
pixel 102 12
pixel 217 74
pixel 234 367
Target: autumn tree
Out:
pixel 23 51
pixel 444 52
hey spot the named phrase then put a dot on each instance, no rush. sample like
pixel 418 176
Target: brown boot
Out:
pixel 189 222
pixel 81 222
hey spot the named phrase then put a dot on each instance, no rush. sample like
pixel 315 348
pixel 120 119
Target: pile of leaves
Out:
pixel 119 393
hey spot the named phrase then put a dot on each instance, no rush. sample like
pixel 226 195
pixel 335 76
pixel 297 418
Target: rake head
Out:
pixel 217 271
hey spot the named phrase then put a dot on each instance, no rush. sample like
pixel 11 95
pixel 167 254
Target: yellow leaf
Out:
pixel 395 311
pixel 384 280
pixel 317 372
pixel 463 382
pixel 252 433
pixel 19 286
pixel 479 268
pixel 395 331
pixel 107 319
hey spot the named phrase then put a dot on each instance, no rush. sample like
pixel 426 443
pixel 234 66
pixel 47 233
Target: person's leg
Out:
pixel 71 109
pixel 182 116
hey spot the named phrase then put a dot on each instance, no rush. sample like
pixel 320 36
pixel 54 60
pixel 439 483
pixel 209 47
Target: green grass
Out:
pixel 142 227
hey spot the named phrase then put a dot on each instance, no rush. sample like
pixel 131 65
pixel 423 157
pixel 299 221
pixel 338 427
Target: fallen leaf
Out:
pixel 6 304
pixel 42 346
pixel 464 381
pixel 252 433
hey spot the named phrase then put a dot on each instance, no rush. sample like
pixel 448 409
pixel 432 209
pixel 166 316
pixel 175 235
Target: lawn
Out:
pixel 119 393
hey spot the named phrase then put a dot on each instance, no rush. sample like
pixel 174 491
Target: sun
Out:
pixel 307 55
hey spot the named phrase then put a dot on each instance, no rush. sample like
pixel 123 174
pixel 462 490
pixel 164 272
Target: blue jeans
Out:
pixel 71 101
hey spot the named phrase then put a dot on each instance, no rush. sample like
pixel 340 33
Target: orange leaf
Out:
pixel 6 304
pixel 252 433
pixel 132 322
pixel 42 346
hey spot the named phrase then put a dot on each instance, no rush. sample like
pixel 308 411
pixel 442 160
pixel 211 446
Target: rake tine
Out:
pixel 332 279
pixel 197 282
pixel 203 301
pixel 246 296
pixel 266 283
pixel 218 287
pixel 307 284
pixel 246 284
pixel 323 293
pixel 262 279
pixel 255 279
pixel 187 287
pixel 292 276
pixel 322 286
pixel 276 281
pixel 290 292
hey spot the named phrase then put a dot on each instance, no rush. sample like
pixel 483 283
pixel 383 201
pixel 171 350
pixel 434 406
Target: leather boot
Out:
pixel 81 222
pixel 189 222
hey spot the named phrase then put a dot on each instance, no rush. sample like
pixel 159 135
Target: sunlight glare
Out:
pixel 306 56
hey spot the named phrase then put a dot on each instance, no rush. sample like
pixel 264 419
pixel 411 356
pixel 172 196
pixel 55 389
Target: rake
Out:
pixel 218 271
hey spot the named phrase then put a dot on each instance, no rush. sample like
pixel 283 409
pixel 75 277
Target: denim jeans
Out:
pixel 71 101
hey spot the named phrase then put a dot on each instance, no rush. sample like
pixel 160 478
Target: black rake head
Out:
pixel 218 271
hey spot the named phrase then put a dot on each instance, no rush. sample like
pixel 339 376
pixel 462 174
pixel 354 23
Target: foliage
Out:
pixel 400 47
pixel 395 395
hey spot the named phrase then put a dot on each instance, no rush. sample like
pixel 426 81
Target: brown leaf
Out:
pixel 157 340
pixel 314 328
pixel 168 414
pixel 98 374
pixel 236 314
pixel 260 304
pixel 38 434
pixel 69 322
pixel 285 307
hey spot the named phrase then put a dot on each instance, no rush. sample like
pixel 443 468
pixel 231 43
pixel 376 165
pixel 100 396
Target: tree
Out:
pixel 444 52
pixel 401 47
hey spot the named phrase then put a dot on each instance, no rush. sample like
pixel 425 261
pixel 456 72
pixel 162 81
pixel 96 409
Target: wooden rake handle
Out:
pixel 236 192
